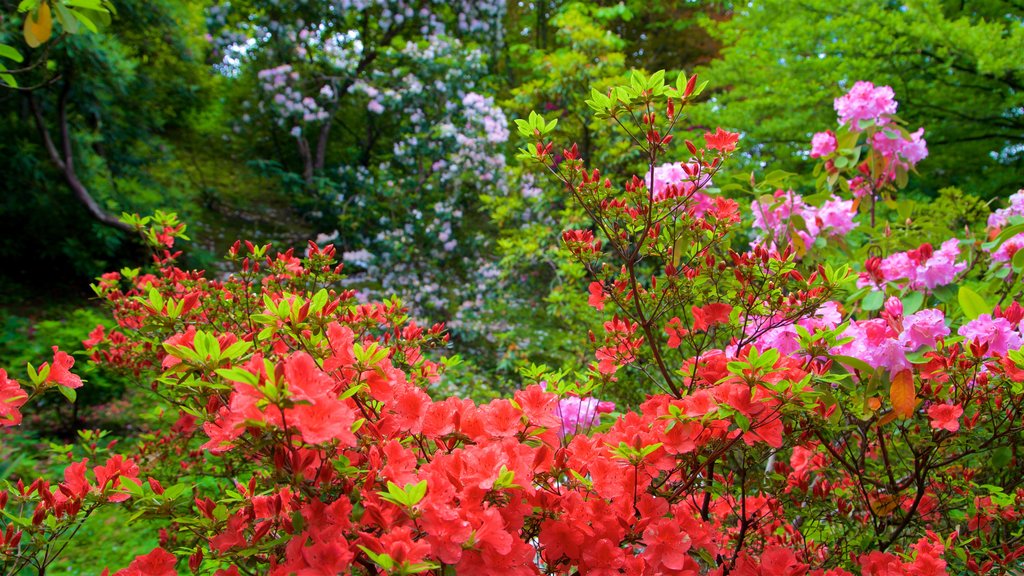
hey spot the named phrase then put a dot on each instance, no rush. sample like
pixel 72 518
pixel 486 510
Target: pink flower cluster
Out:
pixel 865 101
pixel 784 338
pixel 920 269
pixel 999 219
pixel 823 144
pixel 867 104
pixel 884 342
pixel 679 180
pixel 881 342
pixel 777 219
pixel 999 334
pixel 580 414
pixel 891 145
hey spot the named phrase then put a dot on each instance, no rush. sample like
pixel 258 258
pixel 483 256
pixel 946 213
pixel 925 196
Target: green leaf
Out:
pixel 912 302
pixel 10 53
pixel 1018 260
pixel 873 301
pixel 67 19
pixel 972 303
pixel 86 21
pixel 68 393
pixel 855 363
pixel 1007 233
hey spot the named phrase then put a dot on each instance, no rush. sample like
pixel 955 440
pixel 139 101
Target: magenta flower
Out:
pixel 923 328
pixel 998 333
pixel 580 414
pixel 866 102
pixel 823 144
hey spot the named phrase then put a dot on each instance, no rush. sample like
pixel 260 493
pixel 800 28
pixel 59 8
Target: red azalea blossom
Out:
pixel 721 140
pixel 60 370
pixel 945 416
pixel 159 562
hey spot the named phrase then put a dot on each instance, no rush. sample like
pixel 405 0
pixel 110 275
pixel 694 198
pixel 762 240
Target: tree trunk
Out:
pixel 64 159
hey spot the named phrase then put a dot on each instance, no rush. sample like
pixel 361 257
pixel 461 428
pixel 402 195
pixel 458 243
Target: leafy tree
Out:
pixel 92 116
pixel 957 66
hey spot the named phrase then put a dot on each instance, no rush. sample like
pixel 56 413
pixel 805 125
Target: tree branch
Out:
pixel 64 159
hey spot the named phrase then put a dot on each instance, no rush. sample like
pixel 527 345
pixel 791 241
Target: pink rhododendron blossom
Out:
pixel 865 101
pixel 891 145
pixel 877 343
pixel 918 269
pixel 679 180
pixel 923 328
pixel 836 217
pixel 823 144
pixel 580 414
pixel 1007 249
pixel 1001 217
pixel 942 267
pixel 833 218
pixel 997 333
pixel 784 337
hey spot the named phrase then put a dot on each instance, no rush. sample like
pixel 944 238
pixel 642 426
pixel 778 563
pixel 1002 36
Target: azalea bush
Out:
pixel 806 412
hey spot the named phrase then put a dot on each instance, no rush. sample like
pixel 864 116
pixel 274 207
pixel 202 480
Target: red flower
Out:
pixel 11 399
pixel 60 371
pixel 159 562
pixel 596 295
pixel 675 332
pixel 721 140
pixel 945 416
pixel 704 317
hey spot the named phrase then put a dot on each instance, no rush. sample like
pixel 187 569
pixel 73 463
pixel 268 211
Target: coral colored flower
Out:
pixel 705 316
pixel 159 562
pixel 945 416
pixel 823 144
pixel 721 140
pixel 675 332
pixel 596 298
pixel 12 397
pixel 60 370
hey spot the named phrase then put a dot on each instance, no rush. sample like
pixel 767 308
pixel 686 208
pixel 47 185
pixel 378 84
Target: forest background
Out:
pixel 384 128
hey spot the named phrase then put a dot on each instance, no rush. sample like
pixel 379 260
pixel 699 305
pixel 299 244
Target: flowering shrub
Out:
pixel 789 432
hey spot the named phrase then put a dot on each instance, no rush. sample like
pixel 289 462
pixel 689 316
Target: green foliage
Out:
pixel 28 338
pixel 955 65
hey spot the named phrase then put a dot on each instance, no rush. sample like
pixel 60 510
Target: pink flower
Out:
pixel 998 333
pixel 1008 249
pixel 945 416
pixel 922 268
pixel 1001 217
pixel 915 149
pixel 579 414
pixel 923 328
pixel 823 144
pixel 866 102
pixel 941 268
pixel 875 342
pixel 891 145
pixel 836 216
